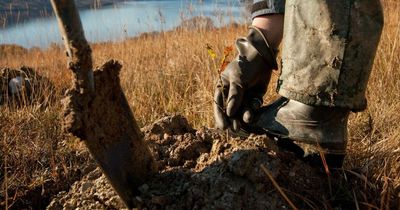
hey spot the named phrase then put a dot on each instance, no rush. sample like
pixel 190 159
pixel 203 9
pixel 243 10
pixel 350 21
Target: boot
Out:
pixel 315 129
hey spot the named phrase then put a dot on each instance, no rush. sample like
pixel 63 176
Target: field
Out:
pixel 171 72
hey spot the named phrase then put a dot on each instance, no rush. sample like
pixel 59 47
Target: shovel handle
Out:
pixel 102 118
pixel 78 50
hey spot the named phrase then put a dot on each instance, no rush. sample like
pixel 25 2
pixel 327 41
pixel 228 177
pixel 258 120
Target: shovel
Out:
pixel 96 111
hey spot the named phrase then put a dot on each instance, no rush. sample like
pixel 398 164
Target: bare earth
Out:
pixel 206 170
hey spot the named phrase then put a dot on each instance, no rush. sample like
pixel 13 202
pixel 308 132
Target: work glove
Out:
pixel 243 83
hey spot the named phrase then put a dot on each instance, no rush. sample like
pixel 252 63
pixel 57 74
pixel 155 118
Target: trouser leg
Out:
pixel 328 51
pixel 266 7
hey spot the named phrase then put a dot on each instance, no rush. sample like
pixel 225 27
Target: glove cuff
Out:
pixel 260 42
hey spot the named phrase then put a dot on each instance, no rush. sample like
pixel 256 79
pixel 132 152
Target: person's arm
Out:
pixel 271 26
pixel 244 82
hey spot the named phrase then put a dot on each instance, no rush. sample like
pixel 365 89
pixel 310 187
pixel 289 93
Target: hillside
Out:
pixel 19 11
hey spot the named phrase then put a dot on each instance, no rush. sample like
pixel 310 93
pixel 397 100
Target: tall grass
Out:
pixel 375 133
pixel 172 72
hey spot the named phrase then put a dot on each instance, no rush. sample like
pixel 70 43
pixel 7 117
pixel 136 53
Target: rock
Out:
pixel 85 186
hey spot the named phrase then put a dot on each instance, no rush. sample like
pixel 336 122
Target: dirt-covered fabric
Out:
pixel 267 7
pixel 329 48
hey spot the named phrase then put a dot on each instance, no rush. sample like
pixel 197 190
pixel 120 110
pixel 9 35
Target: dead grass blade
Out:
pixel 326 167
pixel 355 200
pixel 276 185
pixel 363 178
pixel 370 206
pixel 309 202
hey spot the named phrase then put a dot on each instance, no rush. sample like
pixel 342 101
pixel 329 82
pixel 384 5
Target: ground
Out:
pixel 204 169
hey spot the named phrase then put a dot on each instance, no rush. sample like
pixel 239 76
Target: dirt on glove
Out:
pixel 206 169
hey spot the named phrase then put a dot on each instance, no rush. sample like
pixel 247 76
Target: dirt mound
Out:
pixel 205 169
pixel 25 86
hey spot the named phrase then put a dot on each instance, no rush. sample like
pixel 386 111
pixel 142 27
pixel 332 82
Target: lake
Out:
pixel 127 19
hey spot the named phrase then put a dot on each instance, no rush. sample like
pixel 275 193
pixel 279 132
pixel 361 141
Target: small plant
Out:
pixel 223 63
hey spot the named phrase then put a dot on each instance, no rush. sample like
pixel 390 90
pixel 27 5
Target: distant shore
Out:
pixel 20 11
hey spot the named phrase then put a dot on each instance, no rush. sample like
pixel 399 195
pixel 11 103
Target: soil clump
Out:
pixel 205 169
pixel 24 86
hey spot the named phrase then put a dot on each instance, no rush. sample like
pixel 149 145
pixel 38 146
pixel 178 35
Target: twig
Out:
pixel 278 187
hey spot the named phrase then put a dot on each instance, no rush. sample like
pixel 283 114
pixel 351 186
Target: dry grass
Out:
pixel 375 133
pixel 37 158
pixel 172 72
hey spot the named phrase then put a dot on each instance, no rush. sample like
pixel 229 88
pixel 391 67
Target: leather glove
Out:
pixel 243 84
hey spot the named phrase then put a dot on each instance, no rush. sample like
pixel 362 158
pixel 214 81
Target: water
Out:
pixel 126 19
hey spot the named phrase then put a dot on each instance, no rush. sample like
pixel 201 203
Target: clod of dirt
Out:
pixel 205 169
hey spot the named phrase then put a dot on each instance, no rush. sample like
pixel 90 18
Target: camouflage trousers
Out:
pixel 328 49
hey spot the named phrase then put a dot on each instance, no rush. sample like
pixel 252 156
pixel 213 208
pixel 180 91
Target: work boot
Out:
pixel 315 129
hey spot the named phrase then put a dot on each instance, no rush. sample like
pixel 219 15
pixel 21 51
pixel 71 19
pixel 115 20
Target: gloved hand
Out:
pixel 244 82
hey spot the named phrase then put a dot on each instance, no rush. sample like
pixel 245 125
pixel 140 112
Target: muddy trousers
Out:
pixel 328 49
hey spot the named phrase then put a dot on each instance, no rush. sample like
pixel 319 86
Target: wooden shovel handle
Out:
pixel 77 48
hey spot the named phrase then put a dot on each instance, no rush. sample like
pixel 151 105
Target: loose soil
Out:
pixel 206 169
